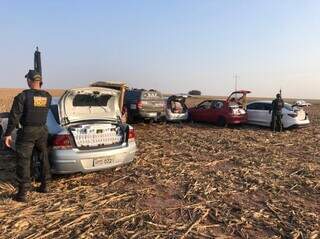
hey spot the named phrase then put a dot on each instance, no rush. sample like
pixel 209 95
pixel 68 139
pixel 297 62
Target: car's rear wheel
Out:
pixel 35 166
pixel 221 122
pixel 190 119
pixel 130 118
pixel 1 138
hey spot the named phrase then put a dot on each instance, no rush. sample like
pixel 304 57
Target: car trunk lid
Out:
pixel 238 98
pixel 91 103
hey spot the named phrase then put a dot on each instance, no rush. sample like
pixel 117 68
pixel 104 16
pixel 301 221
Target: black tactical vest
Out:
pixel 279 105
pixel 36 107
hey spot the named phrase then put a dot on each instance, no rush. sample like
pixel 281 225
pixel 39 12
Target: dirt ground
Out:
pixel 187 181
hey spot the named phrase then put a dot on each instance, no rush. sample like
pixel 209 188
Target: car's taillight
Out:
pixel 293 115
pixel 131 135
pixel 62 141
pixel 139 104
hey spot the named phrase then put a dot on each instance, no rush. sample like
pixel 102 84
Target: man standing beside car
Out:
pixel 30 109
pixel 277 106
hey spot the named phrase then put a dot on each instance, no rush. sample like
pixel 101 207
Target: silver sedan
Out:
pixel 86 132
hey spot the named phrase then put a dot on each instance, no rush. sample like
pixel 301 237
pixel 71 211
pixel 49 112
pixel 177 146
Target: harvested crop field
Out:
pixel 187 181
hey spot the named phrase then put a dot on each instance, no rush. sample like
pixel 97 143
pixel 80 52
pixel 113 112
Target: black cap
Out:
pixel 33 75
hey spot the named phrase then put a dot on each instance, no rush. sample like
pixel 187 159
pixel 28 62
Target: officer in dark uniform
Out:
pixel 30 109
pixel 277 106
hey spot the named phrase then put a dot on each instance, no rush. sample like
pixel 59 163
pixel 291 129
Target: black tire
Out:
pixel 221 122
pixel 190 120
pixel 1 138
pixel 163 119
pixel 35 166
pixel 130 118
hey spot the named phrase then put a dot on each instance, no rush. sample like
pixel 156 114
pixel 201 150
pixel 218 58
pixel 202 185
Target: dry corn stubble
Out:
pixel 198 181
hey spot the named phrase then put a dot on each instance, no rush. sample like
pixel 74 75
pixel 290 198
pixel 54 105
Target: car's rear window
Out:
pixel 151 94
pixel 90 100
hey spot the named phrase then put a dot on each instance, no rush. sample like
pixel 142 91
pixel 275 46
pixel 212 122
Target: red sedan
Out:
pixel 222 112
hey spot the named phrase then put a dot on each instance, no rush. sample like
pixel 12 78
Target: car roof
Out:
pixel 261 101
pixel 205 101
pixel 55 100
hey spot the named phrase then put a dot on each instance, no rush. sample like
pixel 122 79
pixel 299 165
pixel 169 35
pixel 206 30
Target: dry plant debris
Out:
pixel 189 181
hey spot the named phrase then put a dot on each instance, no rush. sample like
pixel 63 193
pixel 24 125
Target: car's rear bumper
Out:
pixel 176 116
pixel 237 119
pixel 72 161
pixel 294 123
pixel 151 115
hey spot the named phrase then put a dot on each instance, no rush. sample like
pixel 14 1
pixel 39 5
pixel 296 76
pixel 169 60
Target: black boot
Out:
pixel 21 195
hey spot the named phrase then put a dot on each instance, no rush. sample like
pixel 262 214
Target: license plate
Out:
pixel 102 161
pixel 152 114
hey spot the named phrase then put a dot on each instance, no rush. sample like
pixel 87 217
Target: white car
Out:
pixel 259 113
pixel 85 131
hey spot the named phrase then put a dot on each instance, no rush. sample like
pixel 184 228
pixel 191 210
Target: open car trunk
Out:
pixel 176 104
pixel 299 109
pixel 85 104
pixel 97 135
pixel 238 99
pixel 91 115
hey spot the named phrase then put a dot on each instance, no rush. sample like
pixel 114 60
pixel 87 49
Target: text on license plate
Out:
pixel 102 161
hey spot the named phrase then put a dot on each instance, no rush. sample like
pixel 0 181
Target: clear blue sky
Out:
pixel 169 45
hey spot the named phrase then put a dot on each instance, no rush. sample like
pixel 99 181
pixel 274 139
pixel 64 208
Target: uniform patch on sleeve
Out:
pixel 39 101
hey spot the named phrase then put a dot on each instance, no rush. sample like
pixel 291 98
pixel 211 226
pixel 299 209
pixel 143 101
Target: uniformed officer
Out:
pixel 277 106
pixel 30 109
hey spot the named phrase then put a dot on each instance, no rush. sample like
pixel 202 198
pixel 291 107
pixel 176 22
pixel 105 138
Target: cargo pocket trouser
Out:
pixel 28 139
